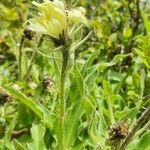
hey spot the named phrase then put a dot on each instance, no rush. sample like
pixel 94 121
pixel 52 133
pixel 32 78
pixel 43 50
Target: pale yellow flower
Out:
pixel 76 16
pixel 53 19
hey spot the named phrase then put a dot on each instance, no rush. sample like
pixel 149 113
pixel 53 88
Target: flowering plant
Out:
pixel 59 23
pixel 54 19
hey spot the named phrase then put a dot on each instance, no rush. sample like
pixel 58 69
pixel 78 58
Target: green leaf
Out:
pixel 118 58
pixel 89 62
pixel 95 134
pixel 79 146
pixel 45 115
pixel 18 145
pixel 104 65
pixel 143 57
pixel 88 106
pixel 146 21
pixel 91 76
pixel 144 141
pixel 108 94
pixel 140 144
pixel 72 124
pixel 127 114
pixel 79 81
pixel 79 43
pixel 37 133
pixel 127 32
pixel 7 138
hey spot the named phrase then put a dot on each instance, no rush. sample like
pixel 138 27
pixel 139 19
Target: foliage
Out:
pixel 68 90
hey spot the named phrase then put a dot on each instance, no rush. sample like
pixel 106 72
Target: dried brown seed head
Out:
pixel 4 97
pixel 47 83
pixel 28 34
pixel 118 132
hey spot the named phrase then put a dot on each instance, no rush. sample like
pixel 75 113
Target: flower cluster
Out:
pixel 54 19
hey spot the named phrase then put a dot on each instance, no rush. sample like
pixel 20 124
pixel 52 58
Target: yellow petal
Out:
pixel 35 25
pixel 76 16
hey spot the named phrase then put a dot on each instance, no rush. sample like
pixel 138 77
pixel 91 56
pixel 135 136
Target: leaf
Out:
pixel 79 146
pixel 144 141
pixel 73 92
pixel 91 76
pixel 94 133
pixel 77 44
pixel 45 115
pixel 79 81
pixel 89 62
pixel 88 106
pixel 127 114
pixel 72 124
pixel 10 14
pixel 143 57
pixel 127 32
pixel 140 144
pixel 104 65
pixel 77 87
pixel 18 145
pixel 1 144
pixel 37 133
pixel 118 58
pixel 108 94
pixel 7 138
pixel 12 43
pixel 146 21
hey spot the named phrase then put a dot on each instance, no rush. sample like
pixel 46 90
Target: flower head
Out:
pixel 54 19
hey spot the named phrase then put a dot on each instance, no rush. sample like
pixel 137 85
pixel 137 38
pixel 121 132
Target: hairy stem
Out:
pixel 143 118
pixel 65 55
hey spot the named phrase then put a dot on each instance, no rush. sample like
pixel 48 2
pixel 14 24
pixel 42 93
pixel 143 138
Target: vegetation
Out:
pixel 74 75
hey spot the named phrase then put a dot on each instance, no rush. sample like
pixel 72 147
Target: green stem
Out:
pixel 20 59
pixel 143 129
pixel 142 87
pixel 65 55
